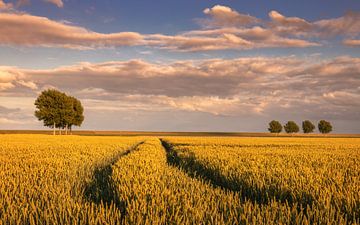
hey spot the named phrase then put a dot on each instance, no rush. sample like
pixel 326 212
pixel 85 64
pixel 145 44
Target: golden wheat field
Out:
pixel 48 179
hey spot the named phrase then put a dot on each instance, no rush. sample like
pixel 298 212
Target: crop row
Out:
pixel 126 180
pixel 153 191
pixel 318 177
pixel 43 178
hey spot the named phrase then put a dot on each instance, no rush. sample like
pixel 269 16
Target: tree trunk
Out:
pixel 70 130
pixel 54 129
pixel 66 129
pixel 59 130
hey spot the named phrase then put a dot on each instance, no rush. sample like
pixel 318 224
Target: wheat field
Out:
pixel 48 179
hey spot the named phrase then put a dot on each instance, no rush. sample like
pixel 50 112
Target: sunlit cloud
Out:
pixel 224 29
pixel 20 3
pixel 261 85
pixel 28 30
pixel 58 3
pixel 5 6
pixel 223 16
pixel 352 42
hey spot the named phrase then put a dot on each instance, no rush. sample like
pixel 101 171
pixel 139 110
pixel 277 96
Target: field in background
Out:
pixel 196 134
pixel 178 180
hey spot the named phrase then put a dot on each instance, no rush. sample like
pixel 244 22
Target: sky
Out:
pixel 189 65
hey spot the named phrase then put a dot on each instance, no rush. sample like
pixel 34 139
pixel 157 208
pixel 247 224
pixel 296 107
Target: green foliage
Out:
pixel 57 110
pixel 324 126
pixel 275 127
pixel 48 108
pixel 78 111
pixel 308 126
pixel 291 127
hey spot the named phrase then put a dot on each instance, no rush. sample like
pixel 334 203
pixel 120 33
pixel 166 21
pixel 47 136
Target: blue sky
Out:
pixel 183 65
pixel 170 17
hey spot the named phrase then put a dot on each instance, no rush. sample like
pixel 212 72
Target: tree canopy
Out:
pixel 324 127
pixel 291 127
pixel 275 127
pixel 308 126
pixel 58 110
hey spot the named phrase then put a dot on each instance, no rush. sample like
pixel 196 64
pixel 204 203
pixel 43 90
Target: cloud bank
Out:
pixel 260 86
pixel 225 28
pixel 20 3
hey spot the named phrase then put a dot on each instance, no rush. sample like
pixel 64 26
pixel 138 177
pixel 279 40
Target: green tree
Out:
pixel 57 110
pixel 275 127
pixel 48 108
pixel 67 112
pixel 308 126
pixel 324 127
pixel 78 113
pixel 291 127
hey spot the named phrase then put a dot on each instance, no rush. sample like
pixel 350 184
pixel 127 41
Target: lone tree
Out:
pixel 291 127
pixel 324 127
pixel 308 126
pixel 275 127
pixel 57 110
pixel 78 117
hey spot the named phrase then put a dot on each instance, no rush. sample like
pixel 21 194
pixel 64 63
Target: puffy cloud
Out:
pixel 11 78
pixel 347 25
pixel 228 38
pixel 58 3
pixel 344 26
pixel 226 29
pixel 352 42
pixel 5 86
pixel 6 79
pixel 20 3
pixel 288 21
pixel 261 88
pixel 28 30
pixel 289 25
pixel 5 6
pixel 201 43
pixel 261 85
pixel 225 16
pixel 281 28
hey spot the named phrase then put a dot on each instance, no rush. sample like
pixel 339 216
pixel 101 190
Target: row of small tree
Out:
pixel 307 126
pixel 58 110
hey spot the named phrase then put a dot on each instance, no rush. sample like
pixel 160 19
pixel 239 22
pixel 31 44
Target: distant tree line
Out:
pixel 58 110
pixel 307 127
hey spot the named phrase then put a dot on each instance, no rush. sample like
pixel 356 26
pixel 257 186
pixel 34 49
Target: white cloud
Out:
pixel 218 86
pixel 5 6
pixel 28 30
pixel 226 29
pixel 225 16
pixel 352 42
pixel 58 3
